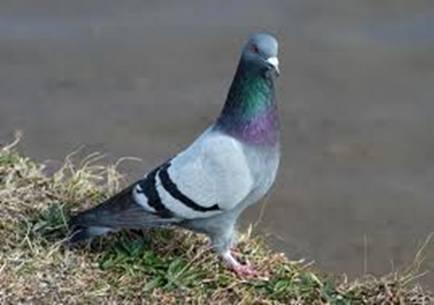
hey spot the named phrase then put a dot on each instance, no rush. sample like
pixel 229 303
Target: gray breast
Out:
pixel 263 163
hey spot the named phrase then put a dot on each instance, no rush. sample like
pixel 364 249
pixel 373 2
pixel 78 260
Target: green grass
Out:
pixel 162 266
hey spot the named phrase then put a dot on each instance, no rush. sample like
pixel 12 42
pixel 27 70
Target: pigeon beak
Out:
pixel 274 62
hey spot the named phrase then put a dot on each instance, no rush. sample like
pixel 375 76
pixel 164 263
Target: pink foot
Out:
pixel 244 270
pixel 239 269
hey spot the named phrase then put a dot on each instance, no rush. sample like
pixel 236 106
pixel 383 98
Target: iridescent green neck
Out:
pixel 250 111
pixel 250 94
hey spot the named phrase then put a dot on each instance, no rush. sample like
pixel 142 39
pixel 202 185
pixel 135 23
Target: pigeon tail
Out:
pixel 118 212
pixel 83 233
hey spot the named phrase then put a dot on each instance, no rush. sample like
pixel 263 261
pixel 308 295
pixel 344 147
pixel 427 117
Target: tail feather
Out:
pixel 118 212
pixel 81 234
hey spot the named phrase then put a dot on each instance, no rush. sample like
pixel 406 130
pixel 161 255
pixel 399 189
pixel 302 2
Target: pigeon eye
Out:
pixel 255 49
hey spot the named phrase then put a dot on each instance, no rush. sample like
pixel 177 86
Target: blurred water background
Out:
pixel 143 78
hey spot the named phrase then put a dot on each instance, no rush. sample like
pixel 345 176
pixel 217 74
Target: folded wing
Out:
pixel 209 177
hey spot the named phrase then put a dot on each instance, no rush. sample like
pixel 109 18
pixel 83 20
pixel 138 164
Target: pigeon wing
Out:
pixel 208 178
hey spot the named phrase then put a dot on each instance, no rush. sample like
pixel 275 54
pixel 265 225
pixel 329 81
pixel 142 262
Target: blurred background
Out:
pixel 143 78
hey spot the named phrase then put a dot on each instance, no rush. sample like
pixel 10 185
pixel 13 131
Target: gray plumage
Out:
pixel 229 167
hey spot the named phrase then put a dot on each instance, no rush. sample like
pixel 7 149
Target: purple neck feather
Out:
pixel 260 130
pixel 250 112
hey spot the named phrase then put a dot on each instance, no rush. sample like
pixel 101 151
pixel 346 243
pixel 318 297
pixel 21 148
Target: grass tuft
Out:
pixel 145 267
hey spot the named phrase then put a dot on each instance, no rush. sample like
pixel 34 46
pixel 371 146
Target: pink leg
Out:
pixel 237 267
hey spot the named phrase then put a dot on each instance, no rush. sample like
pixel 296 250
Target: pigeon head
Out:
pixel 250 111
pixel 261 50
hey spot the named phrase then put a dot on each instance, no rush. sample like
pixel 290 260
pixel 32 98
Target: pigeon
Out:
pixel 205 187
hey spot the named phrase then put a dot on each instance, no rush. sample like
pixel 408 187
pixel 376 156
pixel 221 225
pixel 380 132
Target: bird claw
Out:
pixel 235 266
pixel 244 270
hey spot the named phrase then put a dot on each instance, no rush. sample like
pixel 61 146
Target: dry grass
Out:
pixel 154 267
